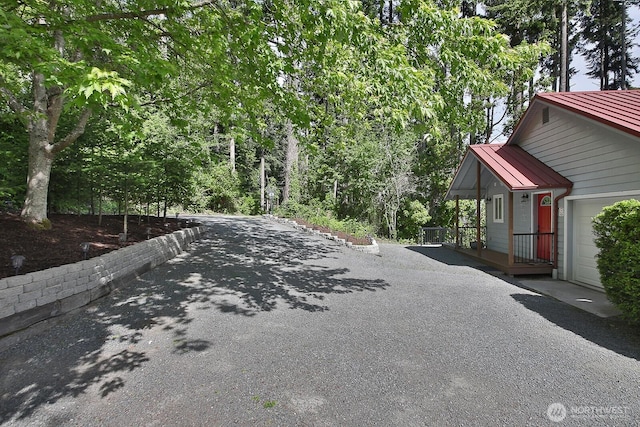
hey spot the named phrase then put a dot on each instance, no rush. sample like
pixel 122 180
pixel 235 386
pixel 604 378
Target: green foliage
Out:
pixel 224 194
pixel 13 167
pixel 412 218
pixel 269 404
pixel 382 111
pixel 617 231
pixel 602 46
pixel 222 188
pixel 320 213
pixel 314 208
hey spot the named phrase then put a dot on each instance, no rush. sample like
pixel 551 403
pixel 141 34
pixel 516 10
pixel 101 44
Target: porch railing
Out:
pixel 469 235
pixel 436 236
pixel 528 248
pixel 533 248
pixel 439 235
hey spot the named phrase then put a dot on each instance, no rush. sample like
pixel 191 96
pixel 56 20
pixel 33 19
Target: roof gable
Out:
pixel 618 109
pixel 517 169
pixel 514 167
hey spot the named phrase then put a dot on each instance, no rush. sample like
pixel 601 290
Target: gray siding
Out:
pixel 595 158
pixel 497 232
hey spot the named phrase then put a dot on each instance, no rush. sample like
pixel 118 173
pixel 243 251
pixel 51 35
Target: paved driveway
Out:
pixel 260 324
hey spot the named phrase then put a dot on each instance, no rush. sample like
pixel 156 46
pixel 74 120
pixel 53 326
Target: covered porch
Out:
pixel 500 261
pixel 527 246
pixel 463 240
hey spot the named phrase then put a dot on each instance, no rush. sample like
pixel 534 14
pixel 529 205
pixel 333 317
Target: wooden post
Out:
pixel 478 195
pixel 510 228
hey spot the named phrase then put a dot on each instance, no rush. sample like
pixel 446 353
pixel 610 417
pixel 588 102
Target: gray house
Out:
pixel 571 154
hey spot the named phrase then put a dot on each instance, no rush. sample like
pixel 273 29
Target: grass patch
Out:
pixel 269 404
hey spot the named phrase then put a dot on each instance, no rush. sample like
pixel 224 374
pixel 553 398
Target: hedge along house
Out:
pixel 571 154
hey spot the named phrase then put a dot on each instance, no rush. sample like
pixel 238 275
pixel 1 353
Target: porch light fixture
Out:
pixel 488 199
pixel 524 198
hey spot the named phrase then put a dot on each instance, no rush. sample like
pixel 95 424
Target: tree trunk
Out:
pixel 42 125
pixel 126 208
pixel 623 42
pixel 232 154
pixel 602 49
pixel 100 207
pixel 40 156
pixel 39 173
pixel 564 50
pixel 291 162
pixel 262 183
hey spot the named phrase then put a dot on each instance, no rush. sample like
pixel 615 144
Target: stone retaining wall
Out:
pixel 34 297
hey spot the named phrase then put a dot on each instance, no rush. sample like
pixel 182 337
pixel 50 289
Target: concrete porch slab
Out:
pixel 586 299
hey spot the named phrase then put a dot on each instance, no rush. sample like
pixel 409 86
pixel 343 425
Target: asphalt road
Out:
pixel 259 324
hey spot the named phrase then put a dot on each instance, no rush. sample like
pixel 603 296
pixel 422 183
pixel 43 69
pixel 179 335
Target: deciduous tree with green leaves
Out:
pixel 79 56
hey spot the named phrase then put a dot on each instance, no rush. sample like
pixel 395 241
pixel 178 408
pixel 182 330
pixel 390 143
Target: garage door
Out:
pixel 585 269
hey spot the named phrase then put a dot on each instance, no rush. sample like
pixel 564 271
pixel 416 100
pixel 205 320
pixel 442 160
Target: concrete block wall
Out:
pixel 33 297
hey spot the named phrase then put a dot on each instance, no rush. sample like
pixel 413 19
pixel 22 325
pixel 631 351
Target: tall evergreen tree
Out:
pixel 607 42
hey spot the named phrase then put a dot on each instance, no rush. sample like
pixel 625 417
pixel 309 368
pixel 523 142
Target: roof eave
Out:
pixel 455 176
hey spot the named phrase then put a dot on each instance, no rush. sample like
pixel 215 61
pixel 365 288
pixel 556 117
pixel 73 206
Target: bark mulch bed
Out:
pixel 339 234
pixel 61 245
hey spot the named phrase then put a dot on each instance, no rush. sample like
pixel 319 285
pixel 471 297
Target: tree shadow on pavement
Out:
pixel 91 349
pixel 612 333
pixel 246 267
pixel 450 257
pixel 242 267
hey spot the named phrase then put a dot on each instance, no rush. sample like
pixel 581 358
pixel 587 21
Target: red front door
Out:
pixel 544 226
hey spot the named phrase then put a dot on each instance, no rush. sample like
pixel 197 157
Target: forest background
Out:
pixel 354 113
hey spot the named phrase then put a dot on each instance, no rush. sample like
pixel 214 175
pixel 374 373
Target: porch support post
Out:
pixel 457 221
pixel 510 228
pixel 478 195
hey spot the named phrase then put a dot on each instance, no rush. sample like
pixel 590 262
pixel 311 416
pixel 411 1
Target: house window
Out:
pixel 498 208
pixel 545 115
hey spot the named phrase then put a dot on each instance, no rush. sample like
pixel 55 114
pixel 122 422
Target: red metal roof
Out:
pixel 517 169
pixel 617 108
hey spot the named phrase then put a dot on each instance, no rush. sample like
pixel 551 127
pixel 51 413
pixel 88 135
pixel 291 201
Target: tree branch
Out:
pixel 143 13
pixel 184 95
pixel 14 104
pixel 73 135
pixel 126 15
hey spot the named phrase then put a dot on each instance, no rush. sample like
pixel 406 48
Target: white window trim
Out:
pixel 498 208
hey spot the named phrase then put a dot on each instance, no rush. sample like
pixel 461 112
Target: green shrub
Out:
pixel 617 230
pixel 412 217
pixel 320 213
pixel 249 205
pixel 224 194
